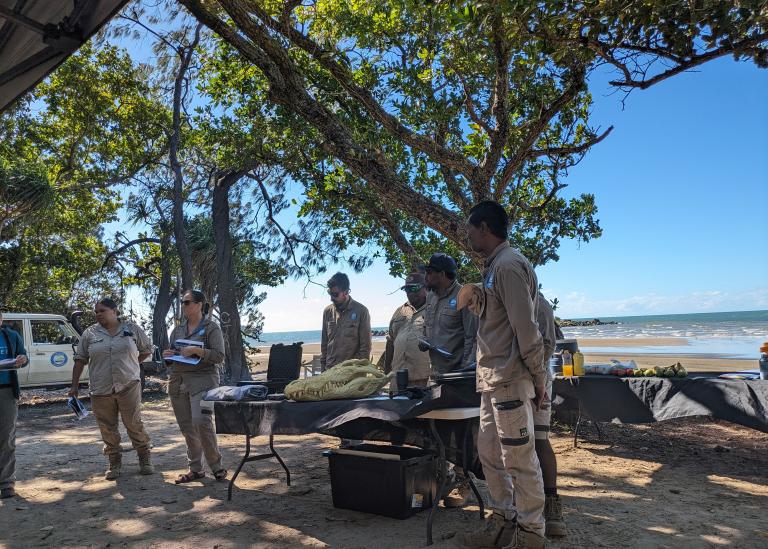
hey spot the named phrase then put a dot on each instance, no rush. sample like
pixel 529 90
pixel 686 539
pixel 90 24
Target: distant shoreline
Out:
pixel 705 362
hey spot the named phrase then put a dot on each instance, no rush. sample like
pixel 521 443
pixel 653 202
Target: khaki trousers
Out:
pixel 9 409
pixel 198 430
pixel 126 403
pixel 505 445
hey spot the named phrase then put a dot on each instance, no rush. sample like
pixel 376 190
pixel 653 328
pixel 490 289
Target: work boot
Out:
pixel 523 539
pixel 553 516
pixel 115 463
pixel 145 464
pixel 459 496
pixel 6 493
pixel 495 533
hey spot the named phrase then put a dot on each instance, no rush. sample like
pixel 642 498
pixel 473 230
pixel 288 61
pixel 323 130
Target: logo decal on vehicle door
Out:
pixel 59 359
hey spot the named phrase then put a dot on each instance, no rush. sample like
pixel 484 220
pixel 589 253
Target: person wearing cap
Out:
pixel 405 330
pixel 346 331
pixel 542 419
pixel 447 327
pixel 11 347
pixel 511 378
pixel 450 329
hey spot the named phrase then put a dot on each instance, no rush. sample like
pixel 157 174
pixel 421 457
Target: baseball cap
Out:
pixel 413 279
pixel 442 262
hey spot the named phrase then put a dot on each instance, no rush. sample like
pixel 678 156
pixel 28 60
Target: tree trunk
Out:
pixel 163 300
pixel 179 233
pixel 236 364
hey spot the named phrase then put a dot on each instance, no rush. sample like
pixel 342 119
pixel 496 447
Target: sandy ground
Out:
pixel 686 483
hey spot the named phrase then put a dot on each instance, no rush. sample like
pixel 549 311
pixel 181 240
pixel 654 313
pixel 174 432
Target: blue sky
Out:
pixel 682 190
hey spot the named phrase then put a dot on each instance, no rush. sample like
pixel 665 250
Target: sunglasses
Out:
pixel 334 294
pixel 188 301
pixel 413 288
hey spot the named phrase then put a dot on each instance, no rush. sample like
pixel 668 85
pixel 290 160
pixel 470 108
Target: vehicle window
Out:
pixel 52 332
pixel 16 326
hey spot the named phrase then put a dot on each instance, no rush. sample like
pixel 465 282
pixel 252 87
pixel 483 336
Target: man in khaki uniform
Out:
pixel 447 327
pixel 510 375
pixel 346 326
pixel 450 329
pixel 542 418
pixel 405 330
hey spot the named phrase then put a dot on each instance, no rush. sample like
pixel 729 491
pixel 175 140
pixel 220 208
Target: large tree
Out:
pixel 83 131
pixel 419 109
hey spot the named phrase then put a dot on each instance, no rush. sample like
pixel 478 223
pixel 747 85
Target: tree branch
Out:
pixel 287 88
pixel 127 245
pixel 576 149
pixel 439 154
pixel 481 186
pixel 536 128
pixel 693 61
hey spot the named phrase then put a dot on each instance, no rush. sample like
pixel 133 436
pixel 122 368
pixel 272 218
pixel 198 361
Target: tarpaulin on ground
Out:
pixel 380 419
pixel 646 400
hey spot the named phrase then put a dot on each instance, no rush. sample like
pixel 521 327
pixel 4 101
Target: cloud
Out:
pixel 582 305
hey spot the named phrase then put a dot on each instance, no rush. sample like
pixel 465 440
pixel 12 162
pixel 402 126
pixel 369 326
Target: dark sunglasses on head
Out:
pixel 413 288
pixel 187 302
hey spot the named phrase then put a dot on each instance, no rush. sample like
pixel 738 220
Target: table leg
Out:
pixel 578 424
pixel 279 459
pixel 472 485
pixel 442 475
pixel 240 466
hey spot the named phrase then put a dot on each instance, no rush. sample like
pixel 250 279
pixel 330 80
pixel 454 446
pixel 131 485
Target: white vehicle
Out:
pixel 50 342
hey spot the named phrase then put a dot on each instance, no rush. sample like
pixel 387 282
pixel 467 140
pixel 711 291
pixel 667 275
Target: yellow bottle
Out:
pixel 567 364
pixel 578 364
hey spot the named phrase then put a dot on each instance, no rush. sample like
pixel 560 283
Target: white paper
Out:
pixel 179 343
pixel 8 364
pixel 183 359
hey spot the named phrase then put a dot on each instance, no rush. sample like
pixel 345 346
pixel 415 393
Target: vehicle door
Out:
pixel 51 353
pixel 17 325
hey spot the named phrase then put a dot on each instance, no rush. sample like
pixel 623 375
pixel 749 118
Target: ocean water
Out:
pixel 306 336
pixel 731 334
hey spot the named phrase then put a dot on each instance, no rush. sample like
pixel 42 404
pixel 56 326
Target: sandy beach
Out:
pixel 685 484
pixel 692 362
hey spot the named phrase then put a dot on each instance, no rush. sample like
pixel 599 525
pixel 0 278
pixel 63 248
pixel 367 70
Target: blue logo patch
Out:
pixel 489 281
pixel 59 359
pixel 452 303
pixel 354 316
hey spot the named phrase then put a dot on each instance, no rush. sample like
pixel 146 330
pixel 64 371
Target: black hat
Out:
pixel 442 262
pixel 413 279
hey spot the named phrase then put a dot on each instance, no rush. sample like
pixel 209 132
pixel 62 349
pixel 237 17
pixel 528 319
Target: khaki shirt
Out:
pixel 450 329
pixel 545 318
pixel 402 352
pixel 205 374
pixel 509 346
pixel 346 334
pixel 113 361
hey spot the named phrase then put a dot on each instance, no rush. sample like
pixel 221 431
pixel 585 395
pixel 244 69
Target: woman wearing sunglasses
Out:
pixel 197 349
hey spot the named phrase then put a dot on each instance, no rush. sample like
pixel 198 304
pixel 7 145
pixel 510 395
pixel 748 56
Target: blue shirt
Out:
pixel 5 377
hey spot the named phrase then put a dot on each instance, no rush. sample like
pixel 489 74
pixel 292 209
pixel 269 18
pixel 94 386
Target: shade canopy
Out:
pixel 36 36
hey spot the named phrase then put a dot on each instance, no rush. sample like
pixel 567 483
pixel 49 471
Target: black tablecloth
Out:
pixel 645 400
pixel 382 419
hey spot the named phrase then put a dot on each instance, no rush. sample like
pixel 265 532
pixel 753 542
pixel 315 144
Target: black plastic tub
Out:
pixel 392 481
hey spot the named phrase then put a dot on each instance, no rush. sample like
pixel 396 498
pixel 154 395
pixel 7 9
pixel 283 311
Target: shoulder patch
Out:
pixel 452 303
pixel 354 316
pixel 489 281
